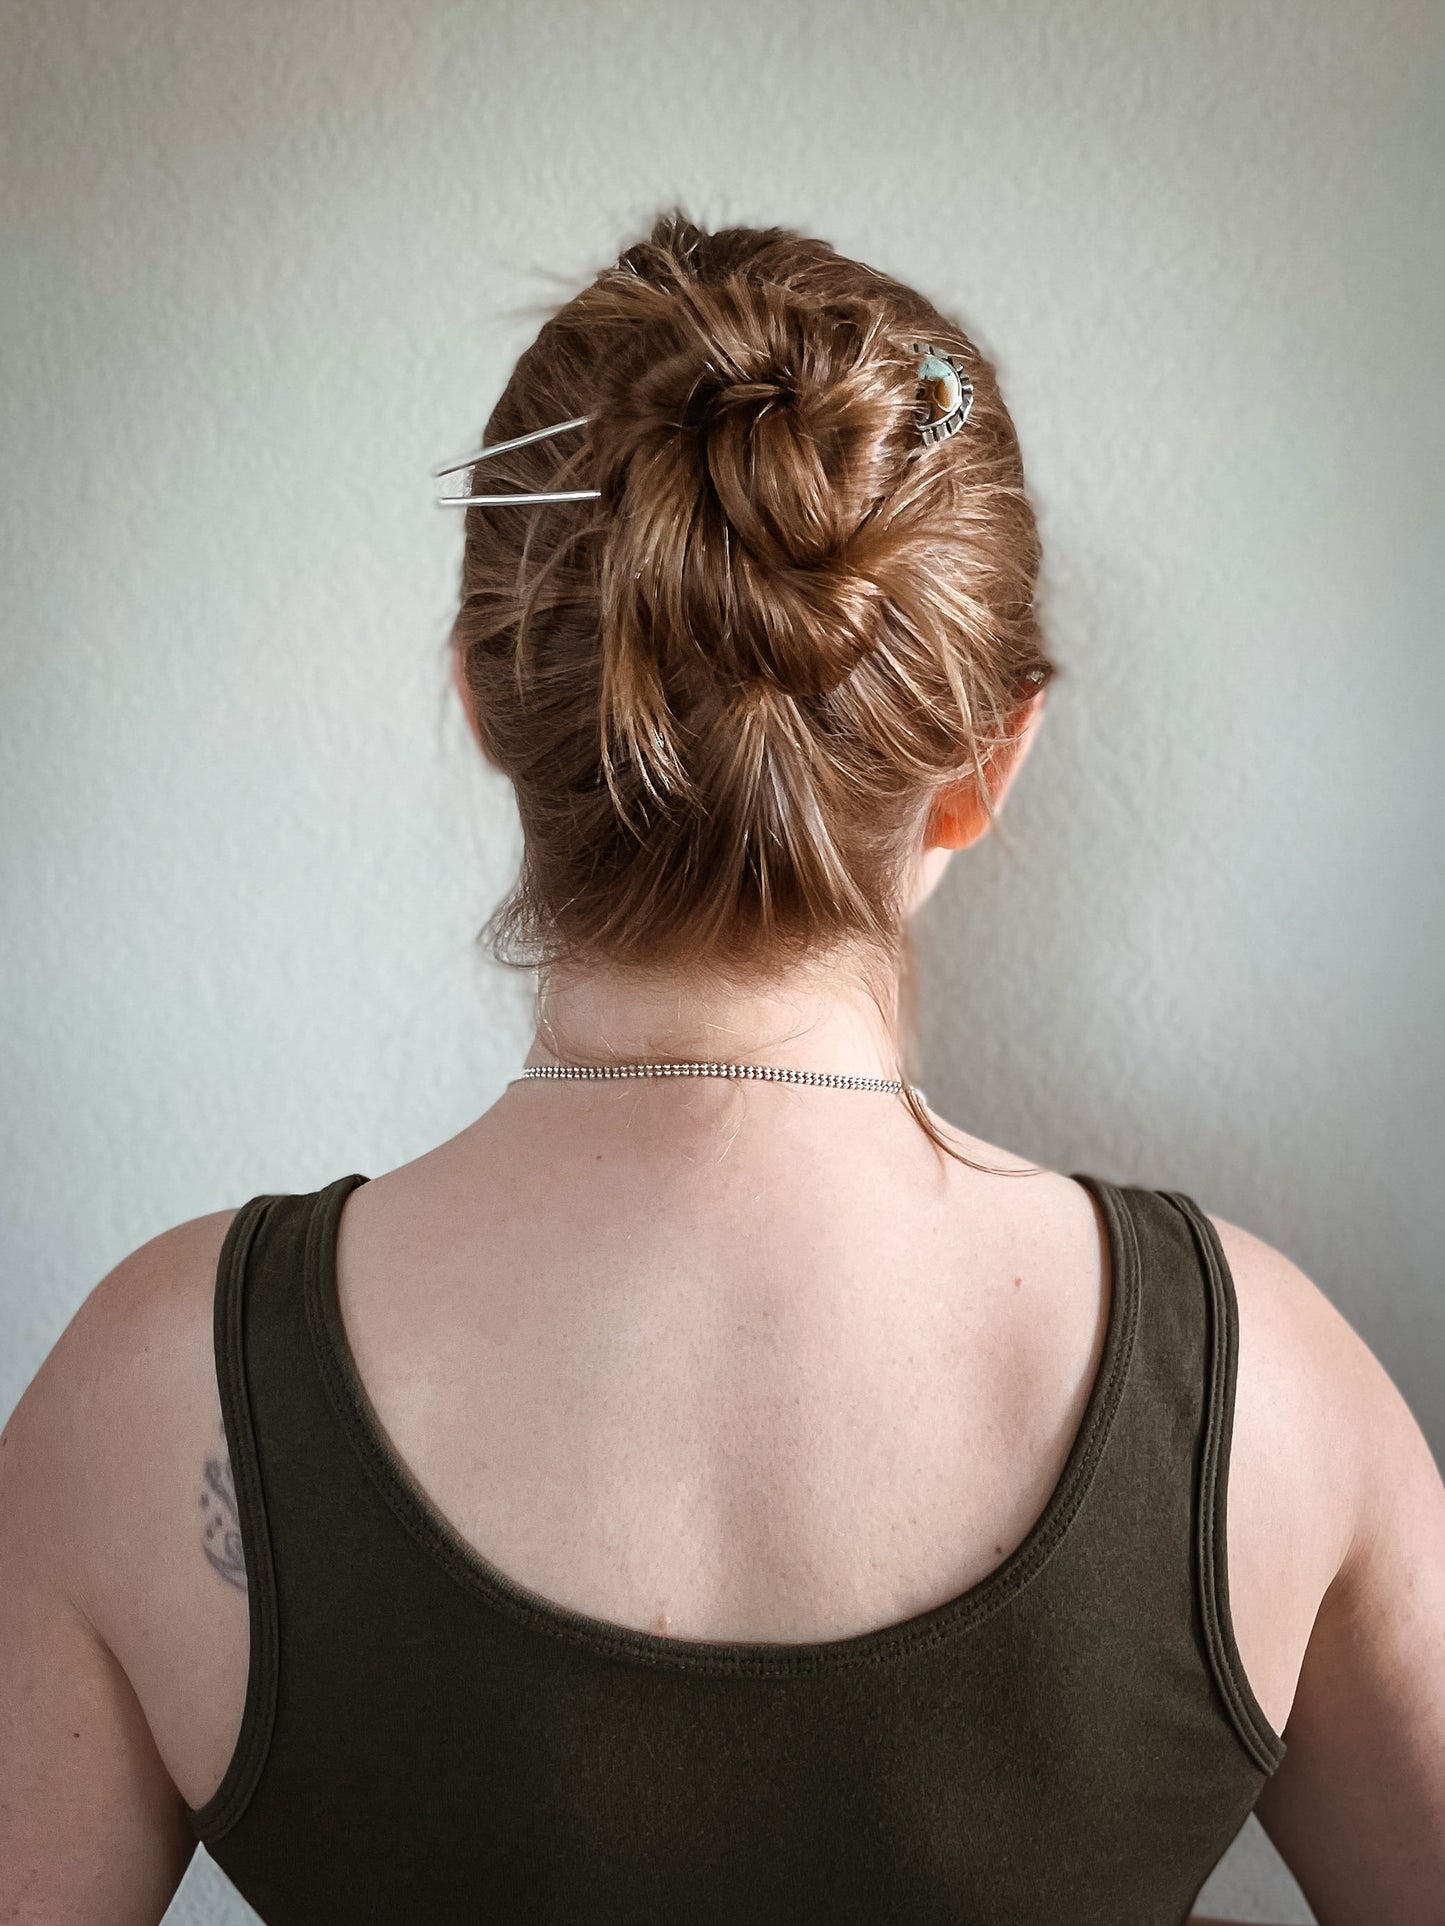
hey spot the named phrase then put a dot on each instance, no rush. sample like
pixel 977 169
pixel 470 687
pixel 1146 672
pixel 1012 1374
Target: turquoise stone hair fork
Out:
pixel 945 399
pixel 946 394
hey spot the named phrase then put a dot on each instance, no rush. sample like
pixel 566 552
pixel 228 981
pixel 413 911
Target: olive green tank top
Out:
pixel 1072 1740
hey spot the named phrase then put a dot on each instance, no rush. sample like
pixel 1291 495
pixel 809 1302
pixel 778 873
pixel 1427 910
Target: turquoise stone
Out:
pixel 940 381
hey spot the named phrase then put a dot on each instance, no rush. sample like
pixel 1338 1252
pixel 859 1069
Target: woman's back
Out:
pixel 785 1383
pixel 792 1383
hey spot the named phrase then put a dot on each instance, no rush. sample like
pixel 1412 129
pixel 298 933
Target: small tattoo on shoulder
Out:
pixel 220 1520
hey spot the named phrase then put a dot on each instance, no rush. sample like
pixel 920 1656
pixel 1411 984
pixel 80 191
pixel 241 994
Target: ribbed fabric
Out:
pixel 1072 1740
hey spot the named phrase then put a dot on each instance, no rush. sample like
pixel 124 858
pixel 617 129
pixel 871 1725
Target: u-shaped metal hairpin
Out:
pixel 519 500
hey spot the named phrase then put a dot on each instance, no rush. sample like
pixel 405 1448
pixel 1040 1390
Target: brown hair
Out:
pixel 727 691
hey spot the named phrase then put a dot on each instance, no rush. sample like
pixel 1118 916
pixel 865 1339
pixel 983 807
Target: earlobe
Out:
pixel 956 818
pixel 952 831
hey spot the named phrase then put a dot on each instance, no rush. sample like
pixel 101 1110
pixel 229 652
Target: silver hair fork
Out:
pixel 514 500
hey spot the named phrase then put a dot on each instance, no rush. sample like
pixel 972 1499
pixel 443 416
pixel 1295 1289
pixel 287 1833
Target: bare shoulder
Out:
pixel 1312 1399
pixel 130 1370
pixel 134 1341
pixel 114 1487
pixel 110 1611
pixel 1307 1387
pixel 1336 1503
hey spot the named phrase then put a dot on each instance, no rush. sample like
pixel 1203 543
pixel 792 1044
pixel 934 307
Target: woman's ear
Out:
pixel 958 817
pixel 464 696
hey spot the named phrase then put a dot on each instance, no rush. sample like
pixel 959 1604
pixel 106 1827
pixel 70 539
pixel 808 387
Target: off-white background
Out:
pixel 264 265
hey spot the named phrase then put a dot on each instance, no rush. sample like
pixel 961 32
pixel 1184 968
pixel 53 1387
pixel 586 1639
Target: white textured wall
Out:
pixel 265 264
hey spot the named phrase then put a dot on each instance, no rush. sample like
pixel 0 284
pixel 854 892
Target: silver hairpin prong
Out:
pixel 502 447
pixel 519 501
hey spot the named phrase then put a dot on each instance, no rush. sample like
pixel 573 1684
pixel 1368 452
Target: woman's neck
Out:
pixel 819 1020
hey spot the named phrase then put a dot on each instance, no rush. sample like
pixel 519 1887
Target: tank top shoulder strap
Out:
pixel 1164 1486
pixel 275 1434
pixel 1222 1310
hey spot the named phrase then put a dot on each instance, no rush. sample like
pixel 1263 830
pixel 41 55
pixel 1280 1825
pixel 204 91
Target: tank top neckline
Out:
pixel 470 1567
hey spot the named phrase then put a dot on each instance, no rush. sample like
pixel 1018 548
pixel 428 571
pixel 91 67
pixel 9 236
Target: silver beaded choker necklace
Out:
pixel 763 1072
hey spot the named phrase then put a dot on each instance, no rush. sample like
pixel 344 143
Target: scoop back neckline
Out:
pixel 473 1570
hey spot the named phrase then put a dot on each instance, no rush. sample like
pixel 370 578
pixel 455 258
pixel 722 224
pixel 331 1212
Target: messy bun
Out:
pixel 727 690
pixel 746 468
